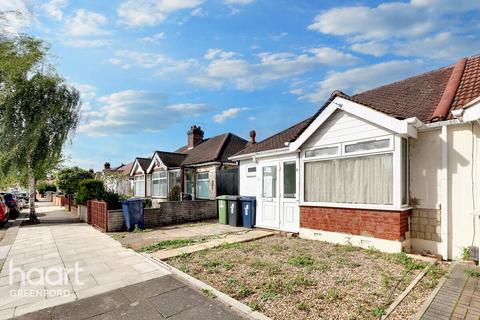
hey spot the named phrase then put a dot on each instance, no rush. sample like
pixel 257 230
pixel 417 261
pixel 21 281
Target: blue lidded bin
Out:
pixel 133 213
pixel 249 206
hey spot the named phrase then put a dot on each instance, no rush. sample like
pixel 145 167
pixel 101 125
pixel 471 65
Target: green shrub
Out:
pixel 147 203
pixel 174 194
pixel 90 189
pixel 113 200
pixel 43 187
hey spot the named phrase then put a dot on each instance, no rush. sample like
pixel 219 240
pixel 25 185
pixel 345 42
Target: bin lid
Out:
pixel 228 197
pixel 132 200
pixel 247 198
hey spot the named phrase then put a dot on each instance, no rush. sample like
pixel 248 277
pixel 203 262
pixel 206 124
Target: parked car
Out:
pixel 12 205
pixel 4 212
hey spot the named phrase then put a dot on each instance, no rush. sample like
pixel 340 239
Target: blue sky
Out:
pixel 147 70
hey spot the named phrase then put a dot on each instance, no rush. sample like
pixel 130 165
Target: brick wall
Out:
pixel 388 225
pixel 168 213
pixel 425 224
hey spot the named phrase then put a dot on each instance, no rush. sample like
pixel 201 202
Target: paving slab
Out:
pixel 55 247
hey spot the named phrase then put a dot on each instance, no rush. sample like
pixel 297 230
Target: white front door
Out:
pixel 268 204
pixel 277 207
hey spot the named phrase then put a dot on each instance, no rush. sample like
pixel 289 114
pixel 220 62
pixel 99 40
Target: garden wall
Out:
pixel 83 213
pixel 168 213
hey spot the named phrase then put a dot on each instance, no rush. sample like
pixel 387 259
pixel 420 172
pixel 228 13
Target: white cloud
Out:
pixel 279 36
pixel 131 111
pixel 86 43
pixel 198 12
pixel 297 91
pixel 363 78
pixel 53 8
pixel 154 38
pixel 374 48
pixel 163 64
pixel 87 91
pixel 271 67
pixel 238 1
pixel 85 23
pixel 137 13
pixel 227 114
pixel 16 16
pixel 214 53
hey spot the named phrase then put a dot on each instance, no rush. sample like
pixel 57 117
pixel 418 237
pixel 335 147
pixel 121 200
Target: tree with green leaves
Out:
pixel 38 112
pixel 68 179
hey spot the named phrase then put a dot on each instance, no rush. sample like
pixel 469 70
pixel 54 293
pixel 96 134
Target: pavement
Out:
pixel 457 297
pixel 69 265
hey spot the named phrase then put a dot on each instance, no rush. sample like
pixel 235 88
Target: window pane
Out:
pixel 289 179
pixel 252 169
pixel 367 145
pixel 202 176
pixel 162 187
pixel 269 185
pixel 321 152
pixel 189 184
pixel 363 180
pixel 203 190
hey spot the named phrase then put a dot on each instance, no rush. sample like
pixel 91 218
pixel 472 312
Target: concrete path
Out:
pixel 457 297
pixel 64 261
pixel 242 236
pixel 160 298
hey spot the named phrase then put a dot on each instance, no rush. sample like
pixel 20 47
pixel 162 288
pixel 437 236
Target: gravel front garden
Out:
pixel 292 278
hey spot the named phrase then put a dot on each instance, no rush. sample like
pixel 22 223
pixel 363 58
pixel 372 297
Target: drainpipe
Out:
pixel 444 193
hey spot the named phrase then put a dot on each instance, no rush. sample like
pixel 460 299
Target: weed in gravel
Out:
pixel 257 263
pixel 265 296
pixel 273 269
pixel 232 281
pixel 300 280
pixel 252 273
pixel 254 305
pixel 321 266
pixel 372 251
pixel 167 244
pixel 302 306
pixel 279 247
pixel 118 236
pixel 301 260
pixel 208 293
pixel 244 291
pixel 228 265
pixel 228 246
pixel 408 262
pixel 184 269
pixel 183 255
pixel 378 311
pixel 138 230
pixel 331 295
pixel 387 279
pixel 215 263
pixel 472 272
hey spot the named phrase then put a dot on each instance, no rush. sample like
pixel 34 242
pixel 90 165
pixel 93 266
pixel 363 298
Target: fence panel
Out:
pixel 227 182
pixel 98 212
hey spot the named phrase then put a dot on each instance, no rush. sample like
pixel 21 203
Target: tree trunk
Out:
pixel 31 191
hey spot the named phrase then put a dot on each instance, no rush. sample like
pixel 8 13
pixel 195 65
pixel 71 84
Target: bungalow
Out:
pixel 116 179
pixel 194 167
pixel 393 167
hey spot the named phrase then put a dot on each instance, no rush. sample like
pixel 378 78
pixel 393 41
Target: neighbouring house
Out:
pixel 116 179
pixel 395 167
pixel 194 167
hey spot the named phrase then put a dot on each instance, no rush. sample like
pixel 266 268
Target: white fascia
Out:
pixel 404 128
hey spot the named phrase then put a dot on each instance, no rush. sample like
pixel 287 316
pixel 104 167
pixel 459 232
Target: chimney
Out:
pixel 106 166
pixel 253 135
pixel 195 136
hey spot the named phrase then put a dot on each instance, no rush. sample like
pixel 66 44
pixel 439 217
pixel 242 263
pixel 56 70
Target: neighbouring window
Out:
pixel 269 182
pixel 139 185
pixel 322 152
pixel 190 184
pixel 173 179
pixel 159 184
pixel 251 171
pixel 405 176
pixel 289 179
pixel 367 146
pixel 203 185
pixel 362 180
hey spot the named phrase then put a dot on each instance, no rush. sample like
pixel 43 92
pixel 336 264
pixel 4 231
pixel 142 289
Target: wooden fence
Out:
pixel 98 214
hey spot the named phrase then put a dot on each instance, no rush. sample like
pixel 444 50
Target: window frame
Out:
pixel 394 149
pixel 250 174
pixel 156 177
pixel 390 147
pixel 197 180
pixel 140 178
pixel 284 194
pixel 275 190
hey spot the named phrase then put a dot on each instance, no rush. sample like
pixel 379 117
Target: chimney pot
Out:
pixel 106 166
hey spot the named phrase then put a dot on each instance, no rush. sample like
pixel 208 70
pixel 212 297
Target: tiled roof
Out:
pixel 171 159
pixel 144 163
pixel 416 96
pixel 469 88
pixel 217 148
pixel 413 97
pixel 124 168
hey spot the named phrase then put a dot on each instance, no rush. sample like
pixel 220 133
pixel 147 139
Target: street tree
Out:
pixel 39 112
pixel 68 179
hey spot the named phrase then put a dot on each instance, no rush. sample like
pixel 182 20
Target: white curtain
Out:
pixel 365 180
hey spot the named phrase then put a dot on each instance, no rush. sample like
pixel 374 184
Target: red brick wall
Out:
pixel 382 224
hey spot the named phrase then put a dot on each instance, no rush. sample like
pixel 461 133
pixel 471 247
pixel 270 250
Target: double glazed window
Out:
pixel 139 185
pixel 269 182
pixel 159 184
pixel 203 185
pixel 190 184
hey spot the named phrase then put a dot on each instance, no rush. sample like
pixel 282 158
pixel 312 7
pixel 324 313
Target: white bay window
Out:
pixel 159 184
pixel 139 185
pixel 365 172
